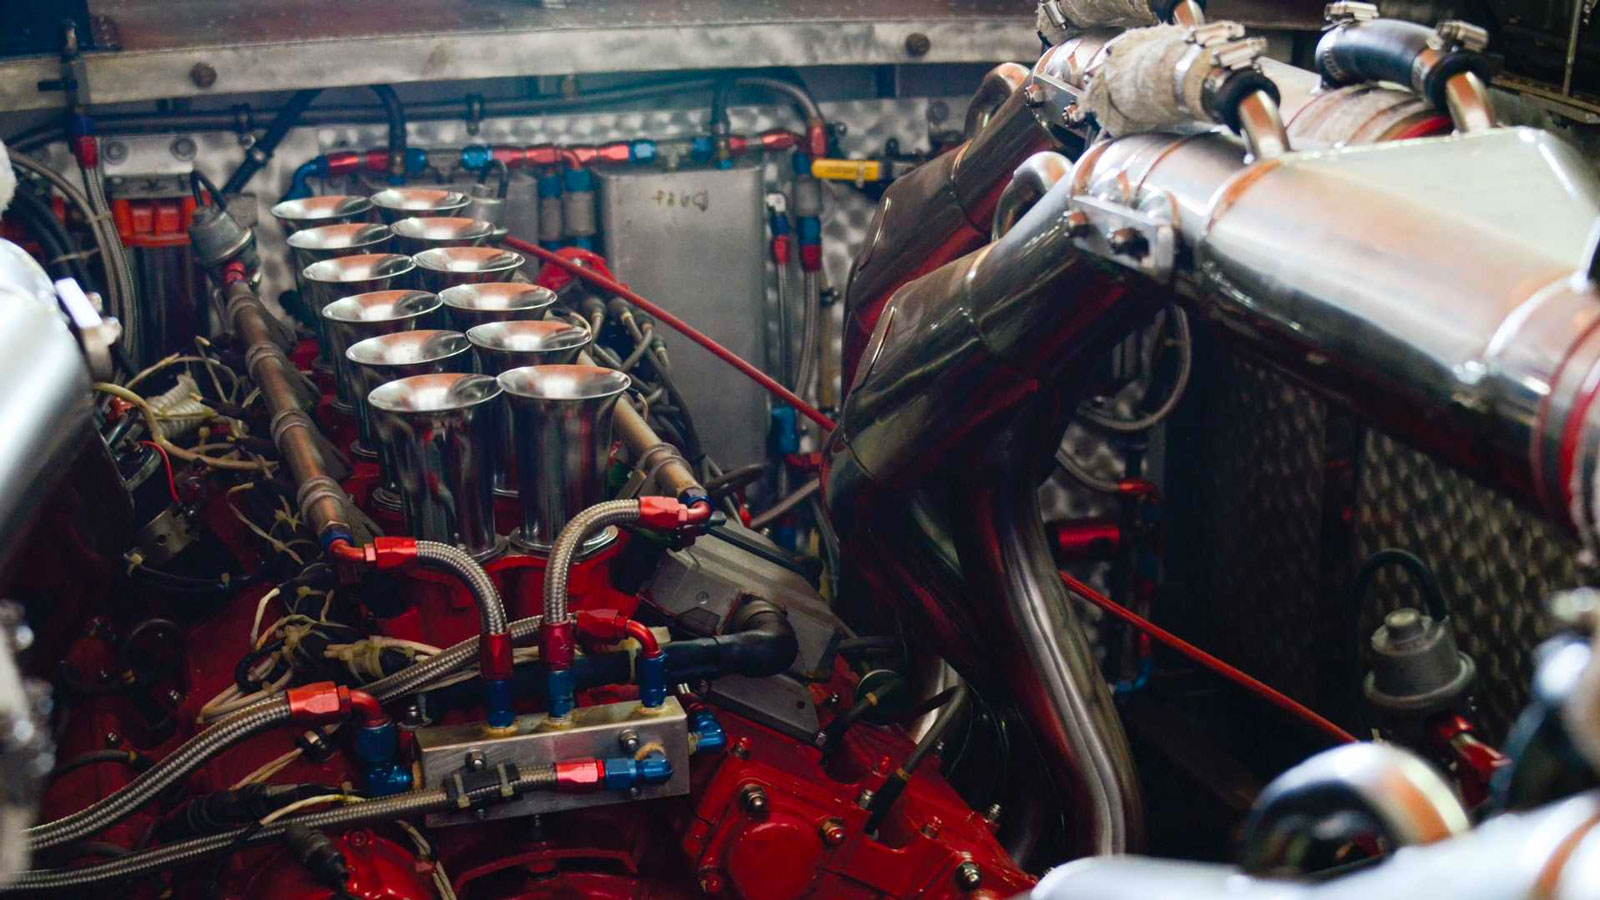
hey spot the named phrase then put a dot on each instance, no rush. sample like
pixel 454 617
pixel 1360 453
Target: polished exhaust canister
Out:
pixel 562 419
pixel 503 346
pixel 353 319
pixel 439 431
pixel 311 212
pixel 443 268
pixel 470 305
pixel 394 204
pixel 427 232
pixel 403 354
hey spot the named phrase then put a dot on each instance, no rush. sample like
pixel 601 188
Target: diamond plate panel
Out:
pixel 1496 563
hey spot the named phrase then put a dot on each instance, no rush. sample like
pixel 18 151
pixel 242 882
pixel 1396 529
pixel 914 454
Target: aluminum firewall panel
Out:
pixel 694 241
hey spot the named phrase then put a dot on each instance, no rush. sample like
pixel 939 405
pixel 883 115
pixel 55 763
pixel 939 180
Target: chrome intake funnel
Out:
pixel 562 419
pixel 311 212
pixel 350 320
pixel 403 354
pixel 503 346
pixel 443 268
pixel 315 244
pixel 426 232
pixel 470 305
pixel 438 432
pixel 327 280
pixel 395 204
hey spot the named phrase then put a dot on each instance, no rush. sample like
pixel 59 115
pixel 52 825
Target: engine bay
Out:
pixel 1108 449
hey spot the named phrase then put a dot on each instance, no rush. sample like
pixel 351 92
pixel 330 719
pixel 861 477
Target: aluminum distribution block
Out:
pixel 596 732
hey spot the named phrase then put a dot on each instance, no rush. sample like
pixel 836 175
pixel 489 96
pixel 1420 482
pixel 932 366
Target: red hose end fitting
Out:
pixel 344 162
pixel 780 250
pixel 602 624
pixel 778 139
pixel 648 645
pixel 322 703
pixel 557 648
pixel 392 552
pixel 494 657
pixel 669 514
pixel 580 775
pixel 346 552
pixel 367 709
pixel 738 144
pixel 234 272
pixel 86 150
pixel 811 257
pixel 817 138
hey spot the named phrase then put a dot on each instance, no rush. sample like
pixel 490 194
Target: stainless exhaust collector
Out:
pixel 439 431
pixel 470 305
pixel 503 346
pixel 394 204
pixel 562 418
pixel 351 320
pixel 379 360
pixel 443 268
pixel 421 233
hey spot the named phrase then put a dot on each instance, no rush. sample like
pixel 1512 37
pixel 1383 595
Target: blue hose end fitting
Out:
pixel 475 157
pixel 654 768
pixel 642 151
pixel 652 675
pixel 498 701
pixel 620 773
pixel 560 686
pixel 707 732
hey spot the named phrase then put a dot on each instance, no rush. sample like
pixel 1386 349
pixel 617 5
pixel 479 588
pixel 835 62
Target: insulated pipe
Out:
pixel 1397 791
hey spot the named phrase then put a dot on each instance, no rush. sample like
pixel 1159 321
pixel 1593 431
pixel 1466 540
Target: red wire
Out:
pixel 1264 691
pixel 172 483
pixel 684 328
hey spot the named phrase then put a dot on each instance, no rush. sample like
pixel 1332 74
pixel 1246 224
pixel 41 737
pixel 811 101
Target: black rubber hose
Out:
pixel 1388 50
pixel 64 257
pixel 761 644
pixel 884 798
pixel 136 761
pixel 396 116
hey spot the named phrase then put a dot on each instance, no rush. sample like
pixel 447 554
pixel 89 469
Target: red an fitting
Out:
pixel 667 513
pixel 382 553
pixel 579 775
pixel 494 657
pixel 322 703
pixel 367 708
pixel 556 645
pixel 610 625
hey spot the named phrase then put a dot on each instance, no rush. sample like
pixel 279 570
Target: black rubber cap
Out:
pixel 1451 65
pixel 1241 84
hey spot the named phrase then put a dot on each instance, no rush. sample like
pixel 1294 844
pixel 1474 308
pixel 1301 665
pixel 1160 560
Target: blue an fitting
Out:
pixel 498 700
pixel 642 151
pixel 707 732
pixel 578 180
pixel 651 672
pixel 299 183
pixel 702 148
pixel 810 230
pixel 417 161
pixel 376 746
pixel 560 686
pixel 579 184
pixel 800 164
pixel 785 430
pixel 476 156
pixel 622 773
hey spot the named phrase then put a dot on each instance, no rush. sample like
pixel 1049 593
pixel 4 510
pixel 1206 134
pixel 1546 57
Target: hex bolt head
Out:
pixel 740 748
pixel 969 876
pixel 1076 223
pixel 754 800
pixel 1128 242
pixel 629 741
pixel 1033 96
pixel 711 882
pixel 833 833
pixel 476 761
pixel 918 44
pixel 203 75
pixel 115 152
pixel 184 149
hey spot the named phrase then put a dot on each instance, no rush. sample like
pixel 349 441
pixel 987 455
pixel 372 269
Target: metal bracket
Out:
pixel 96 333
pixel 1126 236
pixel 1462 35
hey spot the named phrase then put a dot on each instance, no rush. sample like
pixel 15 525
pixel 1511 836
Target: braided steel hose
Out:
pixel 539 778
pixel 257 717
pixel 584 524
pixel 463 566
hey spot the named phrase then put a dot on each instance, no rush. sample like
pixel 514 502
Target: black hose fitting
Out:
pixel 760 643
pixel 260 153
pixel 396 116
pixel 320 857
pixel 1396 51
pixel 1234 89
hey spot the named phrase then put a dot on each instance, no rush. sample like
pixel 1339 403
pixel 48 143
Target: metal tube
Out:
pixel 379 360
pixel 503 346
pixel 443 268
pixel 471 305
pixel 439 432
pixel 562 416
pixel 1032 180
pixel 1468 99
pixel 1262 126
pixel 351 320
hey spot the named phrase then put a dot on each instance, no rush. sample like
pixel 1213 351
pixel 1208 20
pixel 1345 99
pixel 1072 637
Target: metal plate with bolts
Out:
pixel 596 732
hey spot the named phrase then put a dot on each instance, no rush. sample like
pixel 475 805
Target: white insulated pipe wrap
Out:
pixel 1094 14
pixel 1138 87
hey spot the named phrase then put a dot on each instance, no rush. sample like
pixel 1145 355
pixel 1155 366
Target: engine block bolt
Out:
pixel 175 698
pixel 832 832
pixel 741 748
pixel 918 44
pixel 754 798
pixel 992 814
pixel 476 761
pixel 203 75
pixel 711 882
pixel 1033 95
pixel 629 740
pixel 113 739
pixel 864 799
pixel 969 876
pixel 932 827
